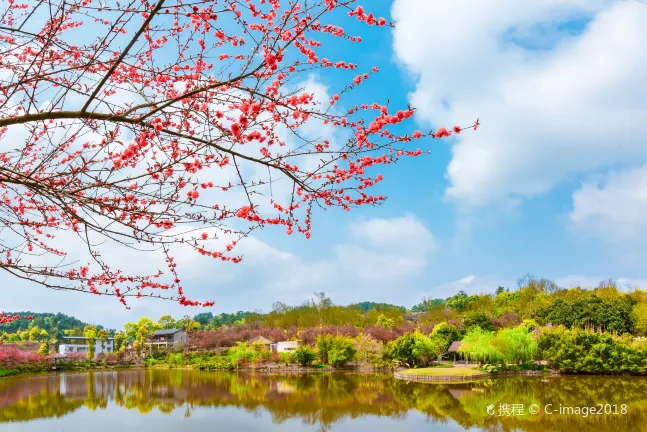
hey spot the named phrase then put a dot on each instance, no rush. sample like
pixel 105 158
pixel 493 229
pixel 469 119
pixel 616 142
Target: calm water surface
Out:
pixel 183 400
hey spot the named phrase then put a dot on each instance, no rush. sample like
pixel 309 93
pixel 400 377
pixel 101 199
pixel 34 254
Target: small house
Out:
pixel 166 338
pixel 79 344
pixel 285 346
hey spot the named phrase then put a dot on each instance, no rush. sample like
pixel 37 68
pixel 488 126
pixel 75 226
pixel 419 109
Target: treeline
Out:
pixel 43 327
pixel 309 314
pixel 604 308
pixel 46 321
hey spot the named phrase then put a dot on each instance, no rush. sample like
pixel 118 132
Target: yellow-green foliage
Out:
pixel 335 350
pixel 44 349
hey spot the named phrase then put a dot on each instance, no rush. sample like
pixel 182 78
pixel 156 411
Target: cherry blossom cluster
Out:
pixel 144 125
pixel 7 318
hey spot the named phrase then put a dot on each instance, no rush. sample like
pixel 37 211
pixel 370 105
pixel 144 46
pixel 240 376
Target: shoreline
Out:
pixel 400 374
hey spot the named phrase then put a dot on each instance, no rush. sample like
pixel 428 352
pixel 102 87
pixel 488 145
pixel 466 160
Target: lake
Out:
pixel 190 400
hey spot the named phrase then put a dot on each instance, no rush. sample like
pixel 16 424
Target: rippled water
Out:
pixel 186 400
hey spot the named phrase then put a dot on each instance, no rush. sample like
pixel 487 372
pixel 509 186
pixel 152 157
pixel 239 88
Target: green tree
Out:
pixel 304 355
pixel 189 324
pixel 478 344
pixel 204 318
pixel 639 314
pixel 139 331
pixel 516 344
pixel 413 349
pixel 385 322
pixel 34 334
pixel 477 318
pixel 428 303
pixel 57 336
pixel 166 322
pixel 368 349
pixel 43 349
pixel 90 335
pixel 586 351
pixel 120 338
pixel 444 334
pixel 335 350
pixel 102 335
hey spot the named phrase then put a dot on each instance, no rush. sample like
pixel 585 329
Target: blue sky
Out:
pixel 554 183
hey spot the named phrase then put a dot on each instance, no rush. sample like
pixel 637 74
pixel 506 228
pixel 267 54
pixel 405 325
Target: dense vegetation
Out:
pixel 47 321
pixel 499 329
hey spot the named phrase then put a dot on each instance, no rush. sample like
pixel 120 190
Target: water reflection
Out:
pixel 323 401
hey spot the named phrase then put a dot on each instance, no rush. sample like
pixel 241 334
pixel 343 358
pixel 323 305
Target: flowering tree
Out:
pixel 149 125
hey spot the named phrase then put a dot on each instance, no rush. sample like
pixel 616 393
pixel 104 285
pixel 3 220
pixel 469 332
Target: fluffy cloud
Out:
pixel 614 207
pixel 377 254
pixel 554 102
pixel 390 250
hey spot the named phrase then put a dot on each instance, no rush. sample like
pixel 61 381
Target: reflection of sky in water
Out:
pixel 116 419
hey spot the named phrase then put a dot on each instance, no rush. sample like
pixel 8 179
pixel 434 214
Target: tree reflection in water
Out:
pixel 324 399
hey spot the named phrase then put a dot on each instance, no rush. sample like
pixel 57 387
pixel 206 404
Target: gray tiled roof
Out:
pixel 166 332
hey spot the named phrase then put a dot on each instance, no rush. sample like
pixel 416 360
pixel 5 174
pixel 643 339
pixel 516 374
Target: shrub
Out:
pixel 174 359
pixel 216 363
pixel 368 349
pixel 341 353
pixel 335 350
pixel 304 355
pixel 413 349
pixel 286 357
pixel 11 356
pixel 585 351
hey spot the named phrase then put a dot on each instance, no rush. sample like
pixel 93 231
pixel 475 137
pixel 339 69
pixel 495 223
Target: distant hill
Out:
pixel 47 321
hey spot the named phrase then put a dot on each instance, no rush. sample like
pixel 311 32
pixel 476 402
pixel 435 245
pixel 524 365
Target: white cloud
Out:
pixel 613 208
pixel 407 233
pixel 573 106
pixel 378 254
pixel 390 250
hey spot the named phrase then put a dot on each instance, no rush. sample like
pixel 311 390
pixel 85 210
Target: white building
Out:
pixel 79 344
pixel 286 346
